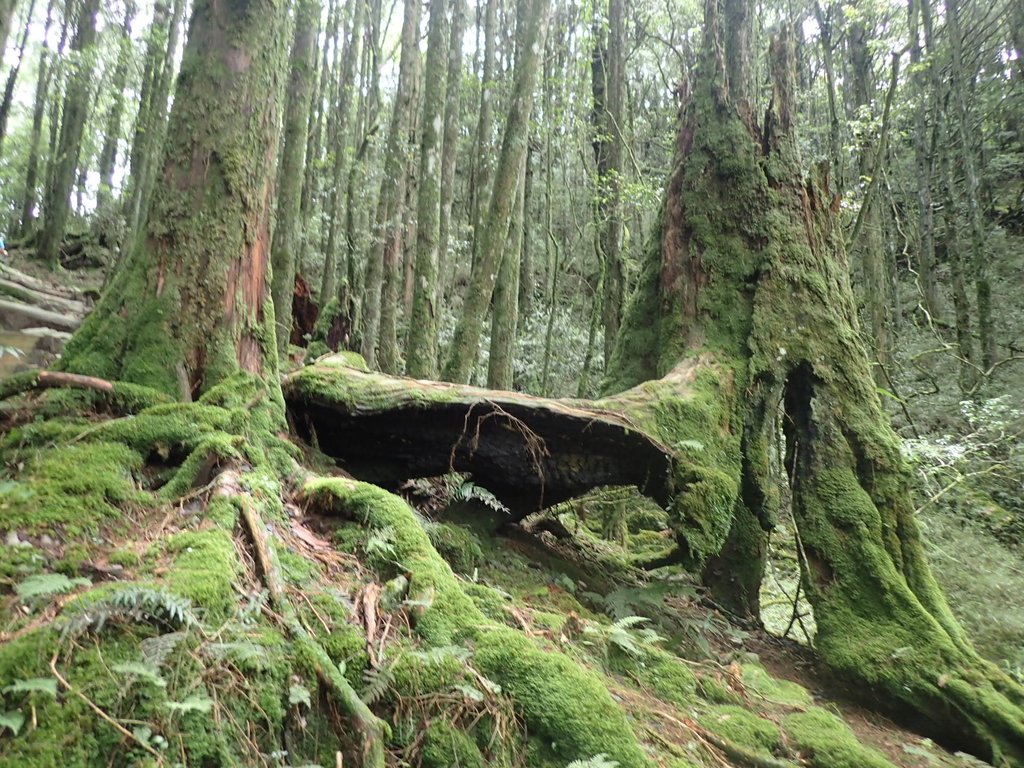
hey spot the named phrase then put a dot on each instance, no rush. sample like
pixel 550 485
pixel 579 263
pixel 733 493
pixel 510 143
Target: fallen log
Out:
pixel 15 316
pixel 668 437
pixel 42 299
pixel 28 281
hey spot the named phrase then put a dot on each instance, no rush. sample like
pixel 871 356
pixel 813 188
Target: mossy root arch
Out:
pixel 749 267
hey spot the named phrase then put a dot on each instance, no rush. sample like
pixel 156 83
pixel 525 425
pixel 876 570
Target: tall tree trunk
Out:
pixel 421 353
pixel 343 111
pixel 12 76
pixel 758 325
pixel 979 257
pixel 108 154
pixel 76 110
pixel 450 153
pixel 923 162
pixel 288 225
pixel 384 260
pixel 151 125
pixel 866 241
pixel 503 197
pixel 45 74
pixel 191 306
pixel 505 306
pixel 482 162
pixel 607 119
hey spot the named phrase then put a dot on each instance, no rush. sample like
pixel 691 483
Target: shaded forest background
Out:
pixel 400 191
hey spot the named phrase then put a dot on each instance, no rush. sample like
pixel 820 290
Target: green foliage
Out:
pixel 43 585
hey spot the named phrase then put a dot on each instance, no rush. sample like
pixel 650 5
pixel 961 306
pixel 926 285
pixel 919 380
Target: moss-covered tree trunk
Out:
pixel 421 353
pixel 288 226
pixel 748 266
pixel 383 262
pixel 191 305
pixel 486 266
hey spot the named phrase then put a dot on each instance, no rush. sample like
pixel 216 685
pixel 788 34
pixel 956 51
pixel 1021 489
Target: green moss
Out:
pixel 562 703
pixel 446 746
pixel 489 601
pixel 456 544
pixel 780 691
pixel 669 678
pixel 828 742
pixel 75 488
pixel 128 558
pixel 738 725
pixel 204 569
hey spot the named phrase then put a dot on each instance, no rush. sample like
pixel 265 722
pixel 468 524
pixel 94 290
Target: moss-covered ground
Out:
pixel 136 627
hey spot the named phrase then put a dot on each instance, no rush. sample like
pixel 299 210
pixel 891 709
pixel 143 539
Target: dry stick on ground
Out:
pixel 368 726
pixel 103 715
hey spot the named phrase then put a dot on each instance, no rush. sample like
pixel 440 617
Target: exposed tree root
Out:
pixel 371 730
pixel 128 397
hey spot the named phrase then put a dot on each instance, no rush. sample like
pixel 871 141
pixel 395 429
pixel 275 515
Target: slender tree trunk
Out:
pixel 343 112
pixel 192 304
pixel 835 145
pixel 288 226
pixel 979 257
pixel 383 278
pixel 503 197
pixel 527 270
pixel 44 76
pixel 76 111
pixel 505 307
pixel 450 153
pixel 12 76
pixel 312 180
pixel 108 154
pixel 607 119
pixel 923 162
pixel 866 242
pixel 154 127
pixel 421 353
pixel 357 211
pixel 482 156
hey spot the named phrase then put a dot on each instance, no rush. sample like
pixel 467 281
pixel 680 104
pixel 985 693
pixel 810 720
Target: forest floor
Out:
pixel 695 685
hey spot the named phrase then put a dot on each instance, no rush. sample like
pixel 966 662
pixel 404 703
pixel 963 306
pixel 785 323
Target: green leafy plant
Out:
pixel 133 604
pixel 43 585
pixel 625 635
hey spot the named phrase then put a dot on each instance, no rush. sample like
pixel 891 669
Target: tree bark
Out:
pixel 151 125
pixel 450 153
pixel 462 357
pixel 483 165
pixel 343 114
pixel 421 353
pixel 191 305
pixel 76 110
pixel 384 261
pixel 288 225
pixel 782 319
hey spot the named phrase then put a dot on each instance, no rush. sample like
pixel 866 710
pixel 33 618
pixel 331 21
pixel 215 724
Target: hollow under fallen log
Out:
pixel 531 450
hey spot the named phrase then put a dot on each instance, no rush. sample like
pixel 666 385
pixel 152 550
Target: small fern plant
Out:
pixel 626 636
